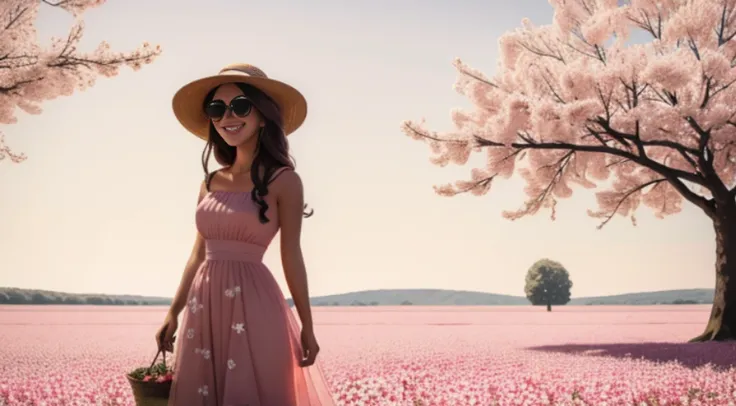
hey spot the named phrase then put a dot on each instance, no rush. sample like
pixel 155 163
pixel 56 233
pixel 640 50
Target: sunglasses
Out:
pixel 241 106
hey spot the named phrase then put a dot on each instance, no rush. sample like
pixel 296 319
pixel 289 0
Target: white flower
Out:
pixel 238 327
pixel 205 352
pixel 190 333
pixel 230 364
pixel 194 306
pixel 232 292
pixel 203 390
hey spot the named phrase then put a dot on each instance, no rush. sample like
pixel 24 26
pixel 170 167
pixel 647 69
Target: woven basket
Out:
pixel 150 393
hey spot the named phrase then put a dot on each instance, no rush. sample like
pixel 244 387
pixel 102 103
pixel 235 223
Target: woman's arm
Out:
pixel 165 334
pixel 290 195
pixel 190 270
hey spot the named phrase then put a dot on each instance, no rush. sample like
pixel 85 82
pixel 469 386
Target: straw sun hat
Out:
pixel 189 100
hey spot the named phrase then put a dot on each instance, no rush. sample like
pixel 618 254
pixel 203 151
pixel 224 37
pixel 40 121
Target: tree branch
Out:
pixel 723 38
pixel 477 77
pixel 533 204
pixel 671 174
pixel 641 144
pixel 539 52
pixel 626 196
pixel 705 162
pixel 646 24
pixel 643 161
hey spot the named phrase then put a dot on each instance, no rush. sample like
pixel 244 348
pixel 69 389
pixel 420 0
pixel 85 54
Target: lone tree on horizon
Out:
pixel 30 74
pixel 547 283
pixel 574 103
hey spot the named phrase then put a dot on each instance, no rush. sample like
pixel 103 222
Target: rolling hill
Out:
pixel 439 297
pixel 382 297
pixel 46 297
pixel 704 296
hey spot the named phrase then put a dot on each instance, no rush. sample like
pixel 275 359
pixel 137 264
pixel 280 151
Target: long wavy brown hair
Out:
pixel 272 150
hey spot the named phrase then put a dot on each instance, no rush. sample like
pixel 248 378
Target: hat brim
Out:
pixel 188 101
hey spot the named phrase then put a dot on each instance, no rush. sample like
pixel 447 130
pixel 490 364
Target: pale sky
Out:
pixel 105 202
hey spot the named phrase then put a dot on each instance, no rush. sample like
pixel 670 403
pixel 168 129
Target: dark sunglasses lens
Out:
pixel 241 107
pixel 215 110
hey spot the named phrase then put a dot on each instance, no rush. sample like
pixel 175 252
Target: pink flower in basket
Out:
pixel 159 373
pixel 152 382
pixel 165 378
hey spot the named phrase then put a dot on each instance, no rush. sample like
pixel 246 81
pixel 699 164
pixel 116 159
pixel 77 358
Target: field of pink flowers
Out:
pixel 456 356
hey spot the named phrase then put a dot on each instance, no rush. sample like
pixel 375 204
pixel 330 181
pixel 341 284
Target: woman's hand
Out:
pixel 310 348
pixel 165 335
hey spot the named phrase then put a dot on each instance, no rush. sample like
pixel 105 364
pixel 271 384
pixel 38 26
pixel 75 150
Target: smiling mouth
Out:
pixel 233 128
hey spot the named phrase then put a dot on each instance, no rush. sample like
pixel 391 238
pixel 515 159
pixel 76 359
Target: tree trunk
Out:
pixel 722 323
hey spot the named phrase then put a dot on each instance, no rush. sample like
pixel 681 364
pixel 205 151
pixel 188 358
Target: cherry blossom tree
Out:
pixel 31 74
pixel 578 102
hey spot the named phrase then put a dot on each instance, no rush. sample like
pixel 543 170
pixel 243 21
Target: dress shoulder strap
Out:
pixel 278 173
pixel 209 179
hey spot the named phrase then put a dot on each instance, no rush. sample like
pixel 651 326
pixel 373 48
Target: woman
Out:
pixel 240 343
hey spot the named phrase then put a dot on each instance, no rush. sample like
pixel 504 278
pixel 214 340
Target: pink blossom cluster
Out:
pixel 78 355
pixel 31 74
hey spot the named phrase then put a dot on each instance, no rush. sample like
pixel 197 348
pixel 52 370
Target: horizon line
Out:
pixel 370 290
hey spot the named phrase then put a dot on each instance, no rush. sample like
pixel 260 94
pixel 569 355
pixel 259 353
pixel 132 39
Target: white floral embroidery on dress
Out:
pixel 230 364
pixel 232 292
pixel 194 306
pixel 204 390
pixel 205 352
pixel 238 327
pixel 190 333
